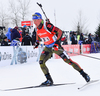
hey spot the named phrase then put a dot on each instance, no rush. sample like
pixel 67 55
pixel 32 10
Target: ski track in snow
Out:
pixel 23 75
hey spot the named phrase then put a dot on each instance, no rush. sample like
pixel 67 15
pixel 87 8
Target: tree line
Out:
pixel 19 10
pixel 16 12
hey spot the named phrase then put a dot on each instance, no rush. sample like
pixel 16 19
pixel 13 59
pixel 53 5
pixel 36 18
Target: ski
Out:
pixel 88 83
pixel 39 86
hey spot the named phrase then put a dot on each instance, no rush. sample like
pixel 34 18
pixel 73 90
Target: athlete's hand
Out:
pixel 55 47
pixel 47 20
pixel 36 45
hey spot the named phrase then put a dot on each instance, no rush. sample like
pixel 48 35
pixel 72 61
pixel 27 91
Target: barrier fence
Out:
pixel 95 47
pixel 10 55
pixel 75 49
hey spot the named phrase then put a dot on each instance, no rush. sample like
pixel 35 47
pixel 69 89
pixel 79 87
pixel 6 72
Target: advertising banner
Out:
pixel 86 48
pixel 70 48
pixel 11 55
pixel 6 54
pixel 27 23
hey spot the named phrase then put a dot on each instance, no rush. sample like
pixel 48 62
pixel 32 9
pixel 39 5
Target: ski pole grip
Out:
pixel 39 4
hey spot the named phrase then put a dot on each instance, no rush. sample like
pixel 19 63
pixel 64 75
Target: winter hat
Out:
pixel 24 26
pixel 36 16
pixel 16 27
pixel 5 37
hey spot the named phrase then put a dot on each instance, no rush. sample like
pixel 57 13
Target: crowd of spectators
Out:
pixel 81 39
pixel 20 33
pixel 26 39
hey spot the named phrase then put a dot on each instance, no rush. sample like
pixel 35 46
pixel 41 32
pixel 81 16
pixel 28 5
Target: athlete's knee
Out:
pixel 68 61
pixel 62 55
pixel 42 65
pixel 41 62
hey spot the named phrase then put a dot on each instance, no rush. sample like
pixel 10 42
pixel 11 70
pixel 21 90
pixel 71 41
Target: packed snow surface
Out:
pixel 23 75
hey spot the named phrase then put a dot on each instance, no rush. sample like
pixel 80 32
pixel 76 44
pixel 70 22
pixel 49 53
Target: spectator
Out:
pixel 15 42
pixel 24 30
pixel 27 40
pixel 20 31
pixel 4 42
pixel 71 35
pixel 15 33
pixel 93 37
pixel 0 38
pixel 89 38
pixel 74 38
pixel 8 34
pixel 78 38
pixel 82 39
pixel 34 37
pixel 97 38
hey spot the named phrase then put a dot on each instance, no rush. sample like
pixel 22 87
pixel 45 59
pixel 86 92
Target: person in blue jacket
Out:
pixel 8 34
pixel 15 33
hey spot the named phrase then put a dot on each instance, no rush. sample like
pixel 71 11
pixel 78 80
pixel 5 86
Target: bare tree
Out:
pixel 24 8
pixel 14 10
pixel 3 16
pixel 81 24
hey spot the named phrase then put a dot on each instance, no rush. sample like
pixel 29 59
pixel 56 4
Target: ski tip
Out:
pixel 78 88
pixel 87 83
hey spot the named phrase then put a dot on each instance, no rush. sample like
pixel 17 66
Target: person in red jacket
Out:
pixel 51 35
pixel 20 32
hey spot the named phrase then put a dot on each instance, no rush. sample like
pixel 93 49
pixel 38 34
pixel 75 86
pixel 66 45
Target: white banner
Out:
pixel 10 55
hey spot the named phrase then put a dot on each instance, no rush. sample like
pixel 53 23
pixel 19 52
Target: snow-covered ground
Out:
pixel 30 74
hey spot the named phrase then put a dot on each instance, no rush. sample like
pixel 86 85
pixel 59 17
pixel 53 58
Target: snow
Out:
pixel 30 74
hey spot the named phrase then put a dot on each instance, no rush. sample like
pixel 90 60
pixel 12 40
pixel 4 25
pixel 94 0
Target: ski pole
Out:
pixel 80 54
pixel 84 55
pixel 40 5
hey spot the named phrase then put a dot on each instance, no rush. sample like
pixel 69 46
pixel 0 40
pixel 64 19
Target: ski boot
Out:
pixel 85 76
pixel 48 82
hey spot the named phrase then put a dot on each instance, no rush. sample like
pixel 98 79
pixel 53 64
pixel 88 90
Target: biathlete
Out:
pixel 51 35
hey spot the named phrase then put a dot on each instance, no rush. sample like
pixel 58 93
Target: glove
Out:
pixel 47 20
pixel 55 47
pixel 36 45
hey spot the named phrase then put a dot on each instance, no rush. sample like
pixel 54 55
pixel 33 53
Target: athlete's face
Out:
pixel 37 22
